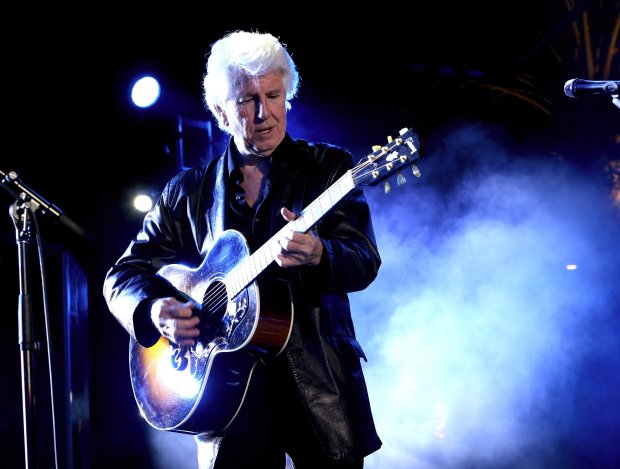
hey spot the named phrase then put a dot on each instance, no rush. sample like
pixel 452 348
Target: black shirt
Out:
pixel 253 222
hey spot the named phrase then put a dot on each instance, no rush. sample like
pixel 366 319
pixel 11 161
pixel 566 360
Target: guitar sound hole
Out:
pixel 214 307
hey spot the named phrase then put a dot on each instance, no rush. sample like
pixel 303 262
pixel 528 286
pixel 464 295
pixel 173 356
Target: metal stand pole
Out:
pixel 27 343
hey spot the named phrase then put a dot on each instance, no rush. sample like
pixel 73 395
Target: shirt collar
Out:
pixel 278 157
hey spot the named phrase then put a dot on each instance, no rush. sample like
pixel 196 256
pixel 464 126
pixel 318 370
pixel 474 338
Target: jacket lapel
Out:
pixel 215 178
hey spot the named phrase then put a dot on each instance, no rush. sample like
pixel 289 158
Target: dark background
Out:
pixel 72 135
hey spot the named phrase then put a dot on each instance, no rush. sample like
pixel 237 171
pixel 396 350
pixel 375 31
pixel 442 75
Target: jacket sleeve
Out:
pixel 131 284
pixel 350 260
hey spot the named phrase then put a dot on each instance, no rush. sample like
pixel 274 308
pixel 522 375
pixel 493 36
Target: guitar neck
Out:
pixel 250 268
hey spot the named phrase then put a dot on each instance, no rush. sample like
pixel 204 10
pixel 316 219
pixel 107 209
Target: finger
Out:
pixel 283 261
pixel 178 336
pixel 186 342
pixel 173 308
pixel 182 342
pixel 292 241
pixel 287 214
pixel 289 259
pixel 288 250
pixel 185 310
pixel 181 331
pixel 190 324
pixel 167 325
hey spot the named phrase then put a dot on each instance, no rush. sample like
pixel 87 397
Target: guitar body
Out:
pixel 201 389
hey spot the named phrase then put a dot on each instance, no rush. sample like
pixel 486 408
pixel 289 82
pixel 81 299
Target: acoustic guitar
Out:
pixel 200 389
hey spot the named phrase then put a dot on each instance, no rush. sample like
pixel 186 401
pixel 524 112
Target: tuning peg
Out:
pixel 415 171
pixel 376 148
pixel 386 187
pixel 403 131
pixel 400 179
pixel 389 139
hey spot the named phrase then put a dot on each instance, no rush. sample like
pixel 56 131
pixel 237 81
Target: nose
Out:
pixel 262 108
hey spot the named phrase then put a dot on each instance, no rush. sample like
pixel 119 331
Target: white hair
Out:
pixel 240 55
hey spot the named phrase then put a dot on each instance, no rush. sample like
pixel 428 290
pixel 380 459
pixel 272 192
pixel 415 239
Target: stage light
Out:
pixel 145 92
pixel 143 202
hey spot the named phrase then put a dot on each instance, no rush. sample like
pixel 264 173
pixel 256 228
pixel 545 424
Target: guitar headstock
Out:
pixel 388 159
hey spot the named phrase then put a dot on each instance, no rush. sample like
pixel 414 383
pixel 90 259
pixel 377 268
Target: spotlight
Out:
pixel 145 92
pixel 143 202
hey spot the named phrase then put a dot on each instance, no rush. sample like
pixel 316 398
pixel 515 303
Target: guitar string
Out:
pixel 218 295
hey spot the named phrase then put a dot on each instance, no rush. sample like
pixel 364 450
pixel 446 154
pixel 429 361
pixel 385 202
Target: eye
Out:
pixel 245 100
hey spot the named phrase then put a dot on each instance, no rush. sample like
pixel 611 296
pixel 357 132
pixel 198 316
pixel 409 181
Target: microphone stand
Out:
pixel 20 212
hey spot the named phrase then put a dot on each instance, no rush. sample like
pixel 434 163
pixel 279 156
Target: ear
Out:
pixel 222 114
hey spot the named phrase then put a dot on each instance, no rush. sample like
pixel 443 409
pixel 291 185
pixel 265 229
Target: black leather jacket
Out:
pixel 322 351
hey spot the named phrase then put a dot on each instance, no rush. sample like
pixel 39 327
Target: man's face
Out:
pixel 256 117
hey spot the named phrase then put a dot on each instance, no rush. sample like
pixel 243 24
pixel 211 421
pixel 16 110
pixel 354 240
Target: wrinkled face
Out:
pixel 256 117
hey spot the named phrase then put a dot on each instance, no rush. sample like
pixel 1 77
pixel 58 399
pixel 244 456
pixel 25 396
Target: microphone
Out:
pixel 12 178
pixel 578 87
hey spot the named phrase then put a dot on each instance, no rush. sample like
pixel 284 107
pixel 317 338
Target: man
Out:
pixel 307 398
